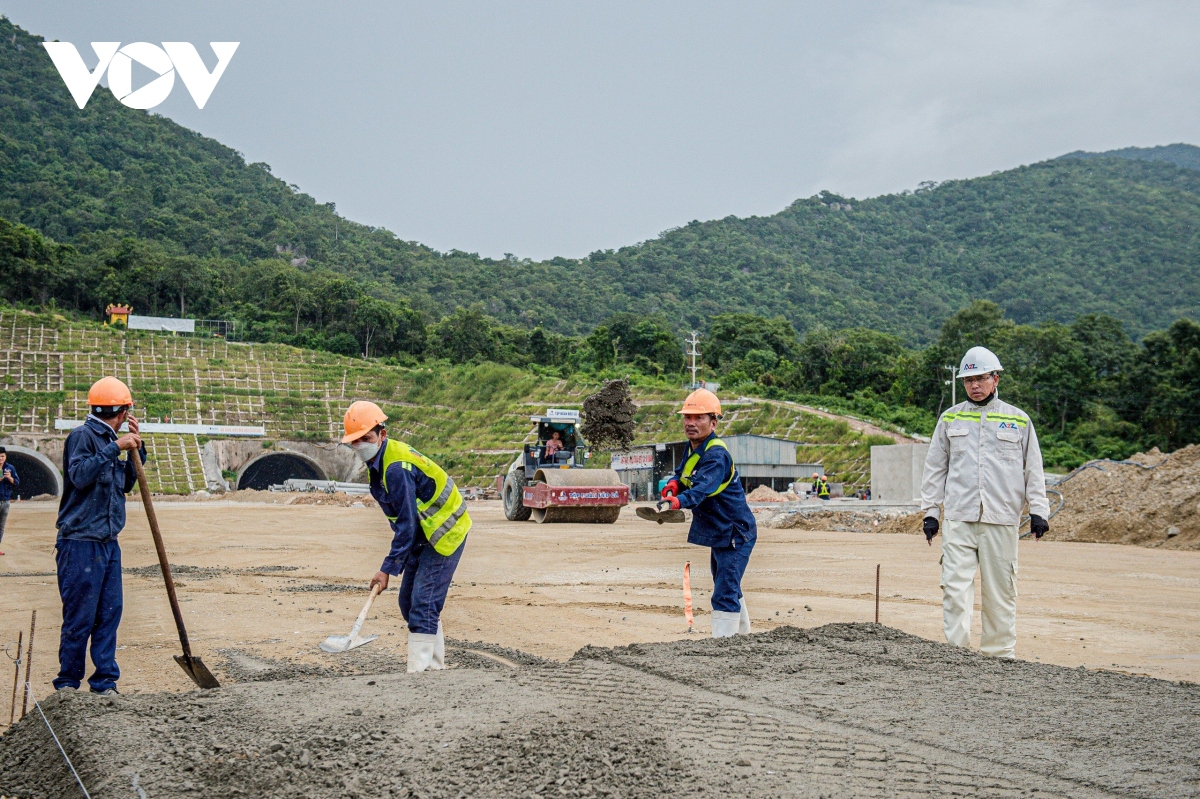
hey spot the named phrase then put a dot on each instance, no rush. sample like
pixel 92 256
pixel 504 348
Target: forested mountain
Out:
pixel 173 222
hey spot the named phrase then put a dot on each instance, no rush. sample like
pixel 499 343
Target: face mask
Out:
pixel 365 451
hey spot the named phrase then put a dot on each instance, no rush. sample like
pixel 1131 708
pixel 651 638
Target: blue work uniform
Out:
pixel 721 519
pixel 7 490
pixel 427 573
pixel 90 516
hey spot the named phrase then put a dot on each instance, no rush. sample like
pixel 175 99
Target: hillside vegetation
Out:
pixel 176 223
pixel 471 418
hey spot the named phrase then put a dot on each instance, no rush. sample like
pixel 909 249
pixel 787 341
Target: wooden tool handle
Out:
pixel 362 616
pixel 163 564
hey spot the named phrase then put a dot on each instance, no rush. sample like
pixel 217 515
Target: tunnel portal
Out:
pixel 272 468
pixel 37 473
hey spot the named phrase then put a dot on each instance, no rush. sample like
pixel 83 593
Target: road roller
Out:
pixel 550 482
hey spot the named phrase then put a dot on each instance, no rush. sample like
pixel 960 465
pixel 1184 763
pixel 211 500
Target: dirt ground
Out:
pixel 271 582
pixel 845 710
pixel 849 709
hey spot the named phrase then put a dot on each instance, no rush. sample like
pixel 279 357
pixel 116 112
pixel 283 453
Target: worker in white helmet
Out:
pixel 984 467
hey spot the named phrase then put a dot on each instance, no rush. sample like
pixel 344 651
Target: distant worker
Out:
pixel 707 482
pixel 8 482
pixel 820 486
pixel 984 465
pixel 429 524
pixel 90 516
pixel 553 445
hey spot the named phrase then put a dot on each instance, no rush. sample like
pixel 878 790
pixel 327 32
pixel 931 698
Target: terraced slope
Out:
pixel 471 418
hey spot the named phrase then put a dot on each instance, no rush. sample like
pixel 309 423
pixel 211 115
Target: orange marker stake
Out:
pixel 687 594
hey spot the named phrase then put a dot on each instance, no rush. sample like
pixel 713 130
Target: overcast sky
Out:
pixel 559 128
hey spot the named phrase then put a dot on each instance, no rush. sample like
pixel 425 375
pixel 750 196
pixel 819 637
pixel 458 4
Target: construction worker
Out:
pixel 984 465
pixel 707 483
pixel 8 483
pixel 429 524
pixel 820 486
pixel 90 516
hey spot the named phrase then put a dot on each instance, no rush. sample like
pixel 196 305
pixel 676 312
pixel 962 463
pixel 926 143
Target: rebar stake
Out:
pixel 877 567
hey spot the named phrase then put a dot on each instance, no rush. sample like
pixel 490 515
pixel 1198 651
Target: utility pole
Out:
pixel 693 341
pixel 953 386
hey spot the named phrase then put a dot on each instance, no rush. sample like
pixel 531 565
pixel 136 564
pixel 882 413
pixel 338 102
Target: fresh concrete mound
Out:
pixel 839 711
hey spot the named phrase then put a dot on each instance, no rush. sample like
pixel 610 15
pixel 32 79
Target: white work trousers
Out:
pixel 992 548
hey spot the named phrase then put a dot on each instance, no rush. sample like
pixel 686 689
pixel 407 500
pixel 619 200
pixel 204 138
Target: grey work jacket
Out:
pixel 984 465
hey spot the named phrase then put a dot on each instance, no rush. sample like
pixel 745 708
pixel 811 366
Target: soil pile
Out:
pixel 1116 503
pixel 338 499
pixel 845 521
pixel 764 494
pixel 843 710
pixel 608 417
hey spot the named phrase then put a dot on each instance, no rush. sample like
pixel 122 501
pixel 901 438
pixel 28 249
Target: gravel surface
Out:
pixel 838 711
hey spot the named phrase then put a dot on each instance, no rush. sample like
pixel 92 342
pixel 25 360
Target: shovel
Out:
pixel 188 662
pixel 667 516
pixel 344 643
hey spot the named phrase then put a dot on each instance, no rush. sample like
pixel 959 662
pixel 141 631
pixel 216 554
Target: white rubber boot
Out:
pixel 439 650
pixel 420 651
pixel 743 619
pixel 724 625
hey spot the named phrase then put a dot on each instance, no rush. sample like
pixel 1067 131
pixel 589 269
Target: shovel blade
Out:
pixel 196 669
pixel 343 643
pixel 666 516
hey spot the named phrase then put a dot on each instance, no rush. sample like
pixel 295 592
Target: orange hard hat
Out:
pixel 361 418
pixel 702 401
pixel 109 392
pixel 816 475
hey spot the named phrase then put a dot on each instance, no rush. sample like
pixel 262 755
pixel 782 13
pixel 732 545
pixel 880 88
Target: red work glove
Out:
pixel 670 502
pixel 670 489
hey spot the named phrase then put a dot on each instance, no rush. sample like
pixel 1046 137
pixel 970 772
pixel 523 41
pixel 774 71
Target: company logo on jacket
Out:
pixel 172 57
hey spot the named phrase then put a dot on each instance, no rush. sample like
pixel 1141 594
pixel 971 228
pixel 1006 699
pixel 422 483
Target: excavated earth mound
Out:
pixel 1154 504
pixel 839 711
pixel 1117 503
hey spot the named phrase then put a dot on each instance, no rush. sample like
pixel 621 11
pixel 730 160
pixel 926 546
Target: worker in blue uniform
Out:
pixel 91 514
pixel 429 525
pixel 707 483
pixel 9 480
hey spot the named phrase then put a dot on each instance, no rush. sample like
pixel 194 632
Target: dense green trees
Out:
pixel 1091 390
pixel 1048 241
pixel 1059 266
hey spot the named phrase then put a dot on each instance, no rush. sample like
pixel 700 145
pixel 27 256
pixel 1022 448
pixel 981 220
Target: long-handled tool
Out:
pixel 661 515
pixel 344 643
pixel 187 661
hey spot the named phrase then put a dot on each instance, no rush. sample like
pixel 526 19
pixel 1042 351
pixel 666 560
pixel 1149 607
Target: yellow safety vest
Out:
pixel 444 518
pixel 689 466
pixel 823 489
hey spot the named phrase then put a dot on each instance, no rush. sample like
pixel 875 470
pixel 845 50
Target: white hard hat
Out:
pixel 979 361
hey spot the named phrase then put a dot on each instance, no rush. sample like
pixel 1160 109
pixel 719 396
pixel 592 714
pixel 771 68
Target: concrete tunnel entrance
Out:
pixel 38 473
pixel 272 468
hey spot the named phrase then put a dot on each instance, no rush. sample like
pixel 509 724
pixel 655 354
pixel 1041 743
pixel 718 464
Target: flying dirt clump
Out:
pixel 608 417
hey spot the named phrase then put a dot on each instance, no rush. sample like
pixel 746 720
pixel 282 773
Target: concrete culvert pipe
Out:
pixel 38 473
pixel 272 468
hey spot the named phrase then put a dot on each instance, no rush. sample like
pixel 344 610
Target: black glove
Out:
pixel 931 528
pixel 1038 526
